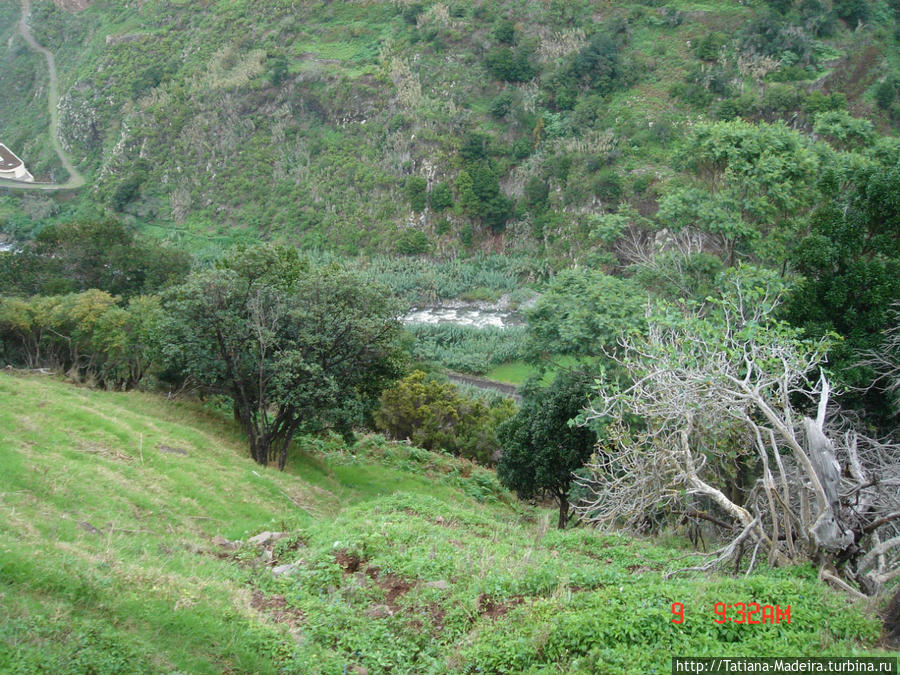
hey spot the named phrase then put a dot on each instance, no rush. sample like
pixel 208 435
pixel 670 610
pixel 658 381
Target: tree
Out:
pixel 581 314
pixel 850 262
pixel 85 335
pixel 842 130
pixel 440 197
pixel 885 361
pixel 541 448
pixel 480 195
pixel 294 345
pixel 758 185
pixel 510 65
pixel 102 254
pixel 821 491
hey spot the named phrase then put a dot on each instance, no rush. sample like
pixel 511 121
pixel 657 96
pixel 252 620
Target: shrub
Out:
pixel 536 193
pixel 441 197
pixel 852 11
pixel 607 186
pixel 502 104
pixel 433 415
pixel 709 46
pixel 415 193
pixel 412 242
pixel 505 32
pixel 885 94
pixel 411 13
pixel 510 65
pixel 818 102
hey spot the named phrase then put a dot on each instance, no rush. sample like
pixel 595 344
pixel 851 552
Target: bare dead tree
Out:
pixel 699 387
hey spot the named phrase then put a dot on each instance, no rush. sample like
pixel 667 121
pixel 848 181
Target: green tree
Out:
pixel 581 314
pixel 536 191
pixel 292 344
pixel 598 65
pixel 541 447
pixel 709 46
pixel 440 197
pixel 844 131
pixel 510 65
pixel 103 254
pixel 759 182
pixel 491 206
pixel 886 93
pixel 850 263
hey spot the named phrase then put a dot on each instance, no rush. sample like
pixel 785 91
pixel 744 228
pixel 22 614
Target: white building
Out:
pixel 11 167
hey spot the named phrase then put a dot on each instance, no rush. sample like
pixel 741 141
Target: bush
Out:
pixel 505 32
pixel 607 186
pixel 411 13
pixel 474 146
pixel 441 197
pixel 412 242
pixel 536 193
pixel 433 415
pixel 818 102
pixel 885 94
pixel 502 104
pixel 709 46
pixel 415 193
pixel 781 98
pixel 510 65
pixel 852 11
pixel 843 131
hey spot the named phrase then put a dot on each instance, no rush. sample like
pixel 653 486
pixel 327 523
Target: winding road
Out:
pixel 76 180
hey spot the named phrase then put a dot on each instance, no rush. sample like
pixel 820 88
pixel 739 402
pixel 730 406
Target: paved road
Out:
pixel 76 180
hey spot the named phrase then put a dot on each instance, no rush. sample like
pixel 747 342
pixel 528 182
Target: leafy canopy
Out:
pixel 293 345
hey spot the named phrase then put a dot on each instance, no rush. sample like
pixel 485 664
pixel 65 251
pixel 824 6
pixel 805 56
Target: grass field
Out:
pixel 407 561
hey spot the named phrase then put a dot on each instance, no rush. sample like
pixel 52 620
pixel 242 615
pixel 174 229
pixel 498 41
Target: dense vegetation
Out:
pixel 432 128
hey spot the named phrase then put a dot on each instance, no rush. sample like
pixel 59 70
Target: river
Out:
pixel 464 316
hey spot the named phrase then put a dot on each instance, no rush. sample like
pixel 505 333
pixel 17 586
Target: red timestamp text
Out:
pixel 751 613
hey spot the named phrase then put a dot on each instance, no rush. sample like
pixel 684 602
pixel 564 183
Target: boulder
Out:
pixel 266 538
pixel 222 542
pixel 290 568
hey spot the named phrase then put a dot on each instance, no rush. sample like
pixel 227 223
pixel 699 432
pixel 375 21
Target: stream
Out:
pixel 474 316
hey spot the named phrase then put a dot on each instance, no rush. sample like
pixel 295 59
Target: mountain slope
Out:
pixel 314 122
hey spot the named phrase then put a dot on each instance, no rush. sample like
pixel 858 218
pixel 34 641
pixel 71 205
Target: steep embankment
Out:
pixel 118 514
pixel 76 180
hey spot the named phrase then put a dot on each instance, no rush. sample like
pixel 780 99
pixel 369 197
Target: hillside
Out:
pixel 435 127
pixel 118 510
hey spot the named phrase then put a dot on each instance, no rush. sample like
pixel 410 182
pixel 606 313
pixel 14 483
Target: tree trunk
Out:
pixel 563 510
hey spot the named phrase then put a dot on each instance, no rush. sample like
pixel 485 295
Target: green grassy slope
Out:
pixel 408 562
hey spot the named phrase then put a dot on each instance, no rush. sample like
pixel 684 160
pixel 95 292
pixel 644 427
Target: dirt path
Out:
pixel 501 387
pixel 76 180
